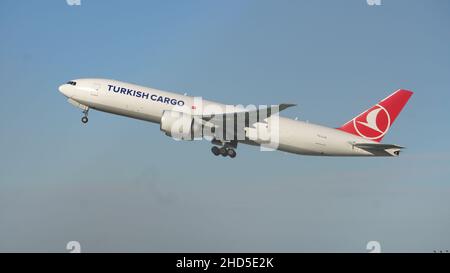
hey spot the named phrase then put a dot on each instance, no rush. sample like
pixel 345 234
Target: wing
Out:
pixel 241 117
pixel 267 111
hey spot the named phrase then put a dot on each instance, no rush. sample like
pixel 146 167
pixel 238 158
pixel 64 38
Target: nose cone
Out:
pixel 65 89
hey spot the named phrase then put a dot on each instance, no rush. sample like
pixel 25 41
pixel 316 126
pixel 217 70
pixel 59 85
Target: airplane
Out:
pixel 259 126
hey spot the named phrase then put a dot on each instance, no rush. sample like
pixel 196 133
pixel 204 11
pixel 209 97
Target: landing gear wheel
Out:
pixel 231 153
pixel 85 119
pixel 223 151
pixel 215 150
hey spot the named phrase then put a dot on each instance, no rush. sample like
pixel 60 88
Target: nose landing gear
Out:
pixel 85 119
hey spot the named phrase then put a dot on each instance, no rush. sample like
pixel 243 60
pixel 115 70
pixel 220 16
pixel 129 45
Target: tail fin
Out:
pixel 374 123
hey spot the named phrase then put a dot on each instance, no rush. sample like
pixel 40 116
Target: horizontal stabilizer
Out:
pixel 377 146
pixel 380 149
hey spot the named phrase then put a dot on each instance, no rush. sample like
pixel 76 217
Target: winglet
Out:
pixel 284 106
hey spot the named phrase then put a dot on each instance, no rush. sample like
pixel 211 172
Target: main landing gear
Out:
pixel 224 151
pixel 85 119
pixel 226 148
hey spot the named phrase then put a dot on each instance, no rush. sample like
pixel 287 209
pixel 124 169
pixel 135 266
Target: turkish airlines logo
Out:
pixel 374 123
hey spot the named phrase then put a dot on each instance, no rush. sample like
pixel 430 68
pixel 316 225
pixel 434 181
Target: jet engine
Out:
pixel 181 126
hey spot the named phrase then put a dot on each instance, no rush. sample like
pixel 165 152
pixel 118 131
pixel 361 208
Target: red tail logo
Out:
pixel 374 123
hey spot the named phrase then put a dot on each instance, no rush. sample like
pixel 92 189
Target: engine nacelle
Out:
pixel 259 134
pixel 181 126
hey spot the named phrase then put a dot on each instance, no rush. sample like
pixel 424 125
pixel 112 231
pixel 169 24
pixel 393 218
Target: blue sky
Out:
pixel 121 185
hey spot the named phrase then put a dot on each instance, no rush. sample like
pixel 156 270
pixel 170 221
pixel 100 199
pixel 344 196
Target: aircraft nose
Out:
pixel 65 90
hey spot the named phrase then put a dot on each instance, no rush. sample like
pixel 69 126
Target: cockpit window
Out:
pixel 72 83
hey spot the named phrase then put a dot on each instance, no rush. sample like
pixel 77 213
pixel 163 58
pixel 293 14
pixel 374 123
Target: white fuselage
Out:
pixel 148 104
